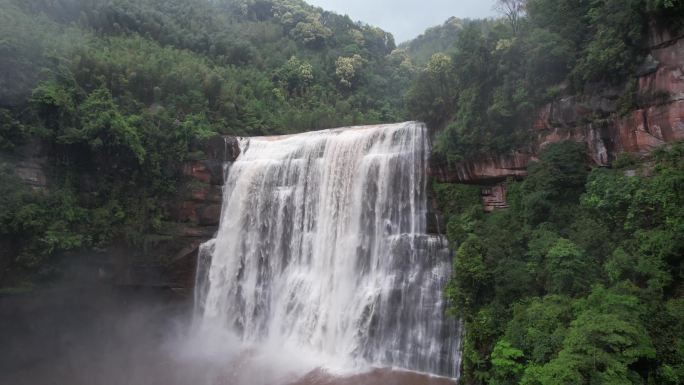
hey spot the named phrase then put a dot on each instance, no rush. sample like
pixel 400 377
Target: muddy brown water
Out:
pixel 374 377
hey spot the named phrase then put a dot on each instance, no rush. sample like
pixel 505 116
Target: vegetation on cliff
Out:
pixel 485 91
pixel 118 92
pixel 580 281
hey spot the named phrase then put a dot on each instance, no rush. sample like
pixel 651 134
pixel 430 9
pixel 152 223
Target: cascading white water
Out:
pixel 322 248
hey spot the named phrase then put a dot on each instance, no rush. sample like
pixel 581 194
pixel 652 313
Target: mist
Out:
pixel 113 336
pixel 103 335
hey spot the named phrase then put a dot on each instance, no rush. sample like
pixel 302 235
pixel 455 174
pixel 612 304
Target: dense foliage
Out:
pixel 580 280
pixel 119 92
pixel 233 60
pixel 485 92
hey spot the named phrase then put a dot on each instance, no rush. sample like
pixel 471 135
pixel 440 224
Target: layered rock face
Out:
pixel 595 120
pixel 199 211
pixel 169 260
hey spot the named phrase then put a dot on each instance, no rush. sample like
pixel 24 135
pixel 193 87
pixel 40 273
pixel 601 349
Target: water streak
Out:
pixel 322 248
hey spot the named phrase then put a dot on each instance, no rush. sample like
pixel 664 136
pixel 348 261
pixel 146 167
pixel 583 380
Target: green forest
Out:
pixel 120 92
pixel 580 281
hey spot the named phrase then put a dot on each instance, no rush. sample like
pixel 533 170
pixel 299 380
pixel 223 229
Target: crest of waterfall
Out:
pixel 323 247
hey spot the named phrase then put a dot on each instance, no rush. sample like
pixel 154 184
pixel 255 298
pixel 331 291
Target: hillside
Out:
pixel 564 122
pixel 105 100
pixel 556 169
pixel 483 94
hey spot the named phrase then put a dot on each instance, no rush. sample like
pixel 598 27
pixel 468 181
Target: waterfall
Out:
pixel 322 247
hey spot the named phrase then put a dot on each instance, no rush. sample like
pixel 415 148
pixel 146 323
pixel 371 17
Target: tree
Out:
pixel 506 363
pixel 311 33
pixel 434 97
pixel 12 130
pixel 295 76
pixel 347 69
pixel 513 10
pixel 471 274
pixel 568 268
pixel 602 343
pixel 561 170
pixel 103 126
pixel 539 326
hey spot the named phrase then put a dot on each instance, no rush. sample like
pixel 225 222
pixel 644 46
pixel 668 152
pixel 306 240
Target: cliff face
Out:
pixel 196 214
pixel 169 258
pixel 594 119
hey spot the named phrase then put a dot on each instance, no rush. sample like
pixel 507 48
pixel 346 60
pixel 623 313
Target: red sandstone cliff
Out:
pixel 595 120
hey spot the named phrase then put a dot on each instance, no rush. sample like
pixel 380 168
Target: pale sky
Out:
pixel 406 19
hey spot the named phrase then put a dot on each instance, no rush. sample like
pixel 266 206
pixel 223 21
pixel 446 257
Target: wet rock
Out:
pixel 494 168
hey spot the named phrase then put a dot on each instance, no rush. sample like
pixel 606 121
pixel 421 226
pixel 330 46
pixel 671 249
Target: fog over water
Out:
pixel 97 335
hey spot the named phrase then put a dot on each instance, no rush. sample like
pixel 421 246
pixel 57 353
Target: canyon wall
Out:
pixel 595 119
pixel 168 258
